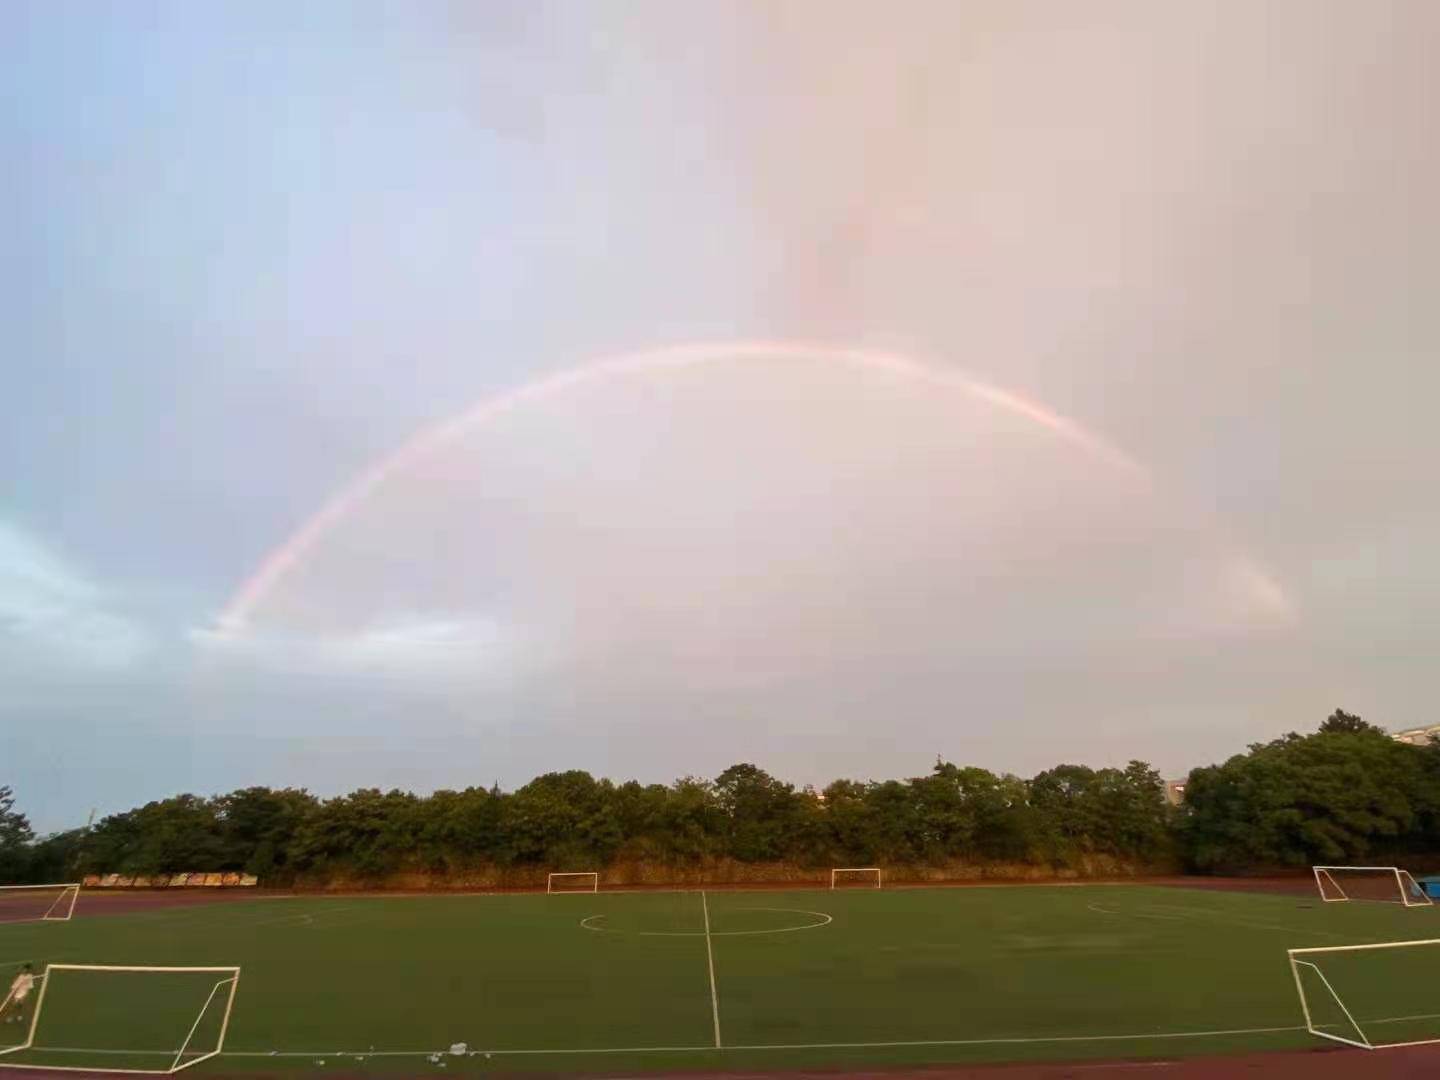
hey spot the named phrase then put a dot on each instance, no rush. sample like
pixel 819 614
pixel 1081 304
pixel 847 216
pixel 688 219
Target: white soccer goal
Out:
pixel 38 903
pixel 863 876
pixel 165 1018
pixel 583 881
pixel 1372 996
pixel 1383 884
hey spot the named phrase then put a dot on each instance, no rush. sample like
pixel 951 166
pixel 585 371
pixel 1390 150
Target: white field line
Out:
pixel 825 920
pixel 1247 924
pixel 232 916
pixel 1394 1019
pixel 1144 1036
pixel 318 920
pixel 785 1046
pixel 100 1050
pixel 1004 1040
pixel 1195 914
pixel 1143 915
pixel 710 957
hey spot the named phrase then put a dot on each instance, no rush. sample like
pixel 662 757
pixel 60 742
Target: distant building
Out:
pixel 1418 736
pixel 1175 791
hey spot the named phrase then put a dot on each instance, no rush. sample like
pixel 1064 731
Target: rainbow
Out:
pixel 299 544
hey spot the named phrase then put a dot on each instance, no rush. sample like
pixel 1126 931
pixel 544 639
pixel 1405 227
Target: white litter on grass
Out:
pixel 434 1059
pixel 458 1049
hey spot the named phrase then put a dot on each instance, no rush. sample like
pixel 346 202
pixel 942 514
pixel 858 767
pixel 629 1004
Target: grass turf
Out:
pixel 893 977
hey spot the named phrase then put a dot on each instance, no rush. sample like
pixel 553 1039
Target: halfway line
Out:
pixel 710 956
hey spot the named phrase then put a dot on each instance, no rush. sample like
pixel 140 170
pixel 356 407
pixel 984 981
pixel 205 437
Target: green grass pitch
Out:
pixel 623 981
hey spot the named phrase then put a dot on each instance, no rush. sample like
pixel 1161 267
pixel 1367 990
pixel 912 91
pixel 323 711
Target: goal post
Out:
pixel 584 881
pixel 115 1018
pixel 1375 996
pixel 38 903
pixel 1381 884
pixel 861 876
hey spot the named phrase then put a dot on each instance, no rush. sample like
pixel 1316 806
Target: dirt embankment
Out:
pixel 721 873
pixel 121 901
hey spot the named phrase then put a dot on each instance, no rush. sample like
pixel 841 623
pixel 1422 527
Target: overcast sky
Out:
pixel 1147 468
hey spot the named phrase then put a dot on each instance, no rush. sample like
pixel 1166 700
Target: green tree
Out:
pixel 460 829
pixel 563 820
pixel 179 833
pixel 1132 812
pixel 971 812
pixel 368 832
pixel 257 826
pixel 1341 722
pixel 1070 824
pixel 898 824
pixel 15 838
pixel 1339 795
pixel 692 825
pixel 761 813
pixel 56 857
pixel 165 836
pixel 849 822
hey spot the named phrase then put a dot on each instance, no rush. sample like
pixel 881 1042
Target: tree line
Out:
pixel 1346 792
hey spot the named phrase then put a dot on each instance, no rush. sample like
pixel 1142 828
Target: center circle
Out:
pixel 736 922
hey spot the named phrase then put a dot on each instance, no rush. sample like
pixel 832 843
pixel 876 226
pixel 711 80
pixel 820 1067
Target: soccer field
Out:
pixel 634 981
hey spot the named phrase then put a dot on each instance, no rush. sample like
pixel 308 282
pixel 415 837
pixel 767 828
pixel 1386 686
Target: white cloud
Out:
pixel 449 647
pixel 51 614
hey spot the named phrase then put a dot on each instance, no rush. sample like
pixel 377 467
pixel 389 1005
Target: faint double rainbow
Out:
pixel 1263 589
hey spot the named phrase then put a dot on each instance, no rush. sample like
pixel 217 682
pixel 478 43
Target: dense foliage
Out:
pixel 1347 792
pixel 571 819
pixel 15 838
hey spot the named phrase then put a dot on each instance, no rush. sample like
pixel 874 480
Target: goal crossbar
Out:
pixel 59 910
pixel 1310 951
pixel 836 871
pixel 230 979
pixel 594 877
pixel 1407 890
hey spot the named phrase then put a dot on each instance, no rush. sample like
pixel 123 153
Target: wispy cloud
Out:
pixel 454 648
pixel 51 614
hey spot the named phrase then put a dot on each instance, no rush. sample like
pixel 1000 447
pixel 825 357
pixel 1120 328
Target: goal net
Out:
pixel 1383 884
pixel 863 877
pixel 37 903
pixel 573 882
pixel 100 1018
pixel 1371 996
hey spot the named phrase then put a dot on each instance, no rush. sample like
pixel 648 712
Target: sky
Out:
pixel 431 395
